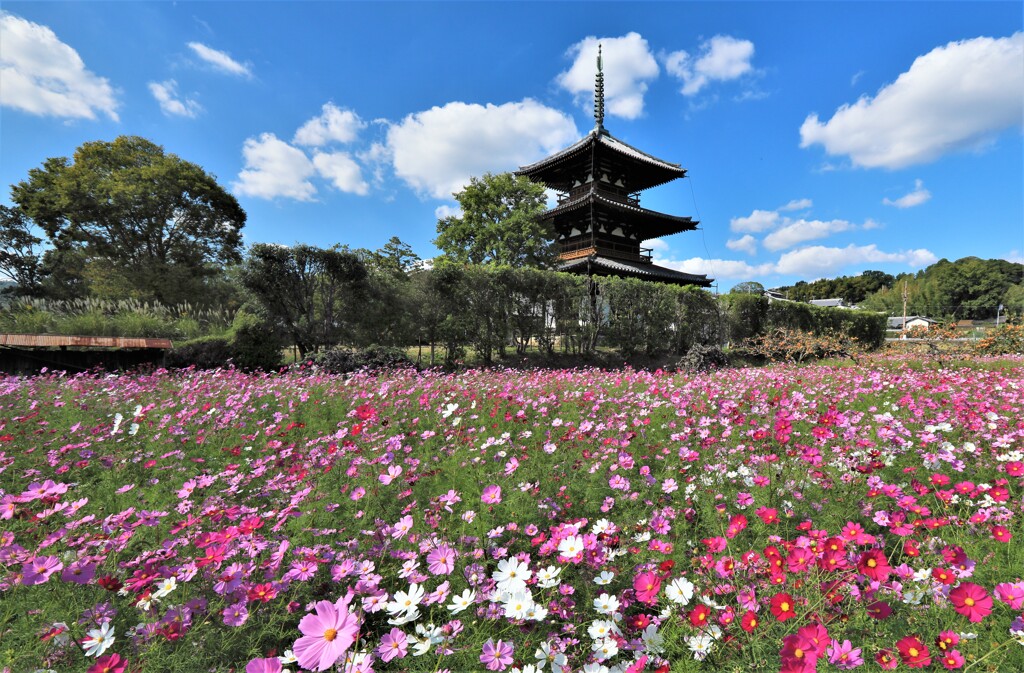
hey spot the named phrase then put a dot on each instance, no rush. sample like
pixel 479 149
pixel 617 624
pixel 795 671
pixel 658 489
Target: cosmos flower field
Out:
pixel 784 518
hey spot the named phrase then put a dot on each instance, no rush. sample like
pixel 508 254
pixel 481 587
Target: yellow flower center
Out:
pixel 968 602
pixel 785 606
pixel 330 634
pixel 912 651
pixel 872 563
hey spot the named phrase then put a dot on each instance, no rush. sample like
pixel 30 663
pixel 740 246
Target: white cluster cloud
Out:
pixel 955 97
pixel 436 151
pixel 332 125
pixel 628 66
pixel 342 171
pixel 220 60
pixel 756 222
pixel 166 93
pixel 794 232
pixel 43 76
pixel 747 244
pixel 914 198
pixel 274 168
pixel 797 204
pixel 722 58
pixel 810 262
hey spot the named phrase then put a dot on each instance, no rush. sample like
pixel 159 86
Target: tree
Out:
pixel 157 226
pixel 307 290
pixel 748 287
pixel 19 260
pixel 500 224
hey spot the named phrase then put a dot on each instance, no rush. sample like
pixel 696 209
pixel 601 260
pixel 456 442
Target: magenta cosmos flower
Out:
pixel 496 656
pixel 327 634
pixel 267 665
pixel 647 586
pixel 971 600
pixel 491 494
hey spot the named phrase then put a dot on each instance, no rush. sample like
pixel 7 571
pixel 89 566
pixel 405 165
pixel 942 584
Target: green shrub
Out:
pixel 344 361
pixel 202 353
pixel 255 343
pixel 703 358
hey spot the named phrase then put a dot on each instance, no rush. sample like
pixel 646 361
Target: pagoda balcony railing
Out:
pixel 611 249
pixel 621 198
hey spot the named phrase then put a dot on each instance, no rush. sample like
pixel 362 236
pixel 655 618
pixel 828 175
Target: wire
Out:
pixel 703 239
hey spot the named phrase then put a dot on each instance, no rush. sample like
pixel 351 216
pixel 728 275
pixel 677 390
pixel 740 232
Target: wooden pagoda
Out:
pixel 598 220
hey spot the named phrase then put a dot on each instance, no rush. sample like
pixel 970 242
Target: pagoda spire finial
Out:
pixel 599 93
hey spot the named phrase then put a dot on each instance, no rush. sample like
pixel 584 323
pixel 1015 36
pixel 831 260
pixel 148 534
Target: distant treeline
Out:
pixel 969 288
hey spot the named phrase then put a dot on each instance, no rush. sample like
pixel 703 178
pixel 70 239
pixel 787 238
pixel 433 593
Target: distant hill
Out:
pixel 969 288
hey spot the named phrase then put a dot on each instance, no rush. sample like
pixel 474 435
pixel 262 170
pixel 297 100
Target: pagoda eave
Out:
pixel 596 265
pixel 649 223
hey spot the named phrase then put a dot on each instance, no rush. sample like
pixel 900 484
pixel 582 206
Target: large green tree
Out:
pixel 19 255
pixel 307 291
pixel 500 223
pixel 147 223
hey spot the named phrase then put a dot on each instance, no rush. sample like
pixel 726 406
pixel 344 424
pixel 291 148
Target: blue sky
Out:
pixel 821 138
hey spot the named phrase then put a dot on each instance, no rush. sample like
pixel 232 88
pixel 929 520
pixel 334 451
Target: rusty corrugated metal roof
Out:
pixel 55 340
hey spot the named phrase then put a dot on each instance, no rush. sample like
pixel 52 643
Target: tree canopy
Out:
pixel 144 223
pixel 500 224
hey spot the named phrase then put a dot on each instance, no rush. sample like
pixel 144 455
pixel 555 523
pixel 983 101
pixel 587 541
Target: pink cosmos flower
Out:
pixel 441 560
pixel 39 569
pixel 235 615
pixel 874 565
pixel 392 645
pixel 647 585
pixel 491 494
pixel 843 655
pixel 326 634
pixel 113 663
pixel 496 656
pixel 971 600
pixel 1011 593
pixel 267 665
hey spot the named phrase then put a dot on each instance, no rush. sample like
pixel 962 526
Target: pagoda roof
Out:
pixel 649 171
pixel 648 223
pixel 616 267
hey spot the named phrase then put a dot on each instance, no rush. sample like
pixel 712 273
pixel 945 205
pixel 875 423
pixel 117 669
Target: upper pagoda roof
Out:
pixel 561 169
pixel 648 223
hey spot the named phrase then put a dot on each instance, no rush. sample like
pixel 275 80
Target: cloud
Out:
pixel 445 210
pixel 797 204
pixel 436 151
pixel 815 261
pixel 822 261
pixel 1015 256
pixel 166 94
pixel 43 76
pixel 274 168
pixel 914 198
pixel 220 60
pixel 722 58
pixel 747 244
pixel 954 98
pixel 628 66
pixel 798 231
pixel 756 222
pixel 718 268
pixel 342 171
pixel 332 125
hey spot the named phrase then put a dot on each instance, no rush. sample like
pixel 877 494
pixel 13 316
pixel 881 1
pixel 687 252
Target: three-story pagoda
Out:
pixel 598 220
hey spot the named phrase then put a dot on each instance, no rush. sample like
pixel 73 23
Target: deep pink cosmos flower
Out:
pixel 112 663
pixel 326 635
pixel 267 665
pixel 496 656
pixel 971 600
pixel 647 585
pixel 874 565
pixel 39 569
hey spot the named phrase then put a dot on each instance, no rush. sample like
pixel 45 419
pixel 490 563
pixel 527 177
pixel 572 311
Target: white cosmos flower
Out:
pixel 679 590
pixel 700 646
pixel 406 601
pixel 606 604
pixel 98 640
pixel 602 628
pixel 511 575
pixel 517 605
pixel 605 577
pixel 571 546
pixel 605 649
pixel 166 586
pixel 460 603
pixel 548 577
